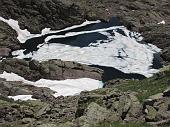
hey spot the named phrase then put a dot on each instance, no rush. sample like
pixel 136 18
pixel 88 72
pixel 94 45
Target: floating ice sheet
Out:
pixel 122 52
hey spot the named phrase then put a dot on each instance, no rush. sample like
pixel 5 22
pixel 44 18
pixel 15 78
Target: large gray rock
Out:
pixel 135 113
pixel 151 113
pixel 97 114
pixel 4 52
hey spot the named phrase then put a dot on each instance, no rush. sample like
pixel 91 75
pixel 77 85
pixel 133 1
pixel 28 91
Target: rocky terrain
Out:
pixel 106 105
pixel 139 102
pixel 8 37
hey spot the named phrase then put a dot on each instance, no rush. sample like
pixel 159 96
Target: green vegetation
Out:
pixel 147 87
pixel 122 125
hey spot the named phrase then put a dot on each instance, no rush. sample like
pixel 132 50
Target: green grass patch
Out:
pixel 147 87
pixel 122 125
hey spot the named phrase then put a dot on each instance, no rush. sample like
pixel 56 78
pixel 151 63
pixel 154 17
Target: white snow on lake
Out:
pixel 63 87
pixel 121 52
pixel 124 53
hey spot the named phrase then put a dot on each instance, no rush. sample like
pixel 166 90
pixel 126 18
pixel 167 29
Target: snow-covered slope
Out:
pixel 63 87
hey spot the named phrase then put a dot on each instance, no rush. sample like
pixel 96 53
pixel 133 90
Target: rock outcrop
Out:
pixel 157 109
pixel 52 69
pixel 8 37
pixel 36 15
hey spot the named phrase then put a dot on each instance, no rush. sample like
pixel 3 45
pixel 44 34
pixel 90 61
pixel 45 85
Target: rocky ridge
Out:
pixel 52 69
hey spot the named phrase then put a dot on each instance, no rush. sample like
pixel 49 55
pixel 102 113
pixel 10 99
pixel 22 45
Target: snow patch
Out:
pixel 162 22
pixel 23 35
pixel 64 87
pixel 22 97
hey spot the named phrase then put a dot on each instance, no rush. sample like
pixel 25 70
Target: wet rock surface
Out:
pixel 52 69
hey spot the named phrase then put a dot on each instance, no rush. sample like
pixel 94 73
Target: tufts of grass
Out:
pixel 149 86
pixel 122 125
